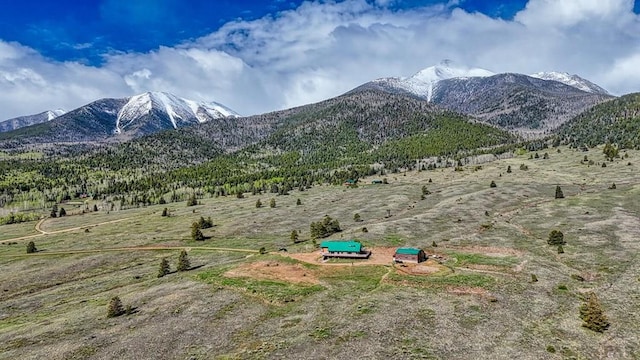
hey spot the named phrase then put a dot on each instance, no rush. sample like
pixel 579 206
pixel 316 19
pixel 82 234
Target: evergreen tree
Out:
pixel 31 247
pixel 183 261
pixel 164 268
pixel 298 202
pixel 95 207
pixel 610 151
pixel 192 200
pixel 165 212
pixel 592 314
pixel 258 203
pixel 196 233
pixel 559 194
pixel 272 203
pixel 560 249
pixel 493 184
pixel 356 217
pixel 262 250
pixel 556 237
pixel 294 236
pixel 115 308
pixel 509 169
pixel 54 211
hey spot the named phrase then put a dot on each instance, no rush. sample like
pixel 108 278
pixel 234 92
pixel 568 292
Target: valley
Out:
pixel 475 298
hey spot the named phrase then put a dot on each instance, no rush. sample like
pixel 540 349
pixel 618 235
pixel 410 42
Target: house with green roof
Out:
pixel 413 255
pixel 343 249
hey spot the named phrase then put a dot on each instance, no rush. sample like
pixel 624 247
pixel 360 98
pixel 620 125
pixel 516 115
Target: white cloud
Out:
pixel 320 50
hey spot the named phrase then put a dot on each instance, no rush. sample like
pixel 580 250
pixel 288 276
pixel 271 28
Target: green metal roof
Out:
pixel 408 251
pixel 341 246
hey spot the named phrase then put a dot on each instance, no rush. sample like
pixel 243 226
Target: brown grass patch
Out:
pixel 467 290
pixel 273 270
pixel 488 250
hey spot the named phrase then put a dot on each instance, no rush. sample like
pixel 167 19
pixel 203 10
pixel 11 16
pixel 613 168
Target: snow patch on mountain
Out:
pixel 52 114
pixel 423 82
pixel 177 109
pixel 571 80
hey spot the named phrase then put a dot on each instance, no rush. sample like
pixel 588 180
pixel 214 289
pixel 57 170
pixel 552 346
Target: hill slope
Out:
pixel 616 121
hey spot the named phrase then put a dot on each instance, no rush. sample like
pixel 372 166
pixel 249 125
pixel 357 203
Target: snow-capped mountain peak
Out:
pixel 424 81
pixel 571 80
pixel 178 110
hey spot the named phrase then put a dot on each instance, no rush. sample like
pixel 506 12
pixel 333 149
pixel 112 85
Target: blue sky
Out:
pixel 258 56
pixel 85 30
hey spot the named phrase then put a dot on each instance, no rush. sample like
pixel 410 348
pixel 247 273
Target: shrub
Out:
pixel 524 167
pixel 192 200
pixel 272 203
pixel 262 250
pixel 31 247
pixel 164 268
pixel 556 237
pixel 365 230
pixel 258 203
pixel 560 249
pixel 613 186
pixel 183 261
pixel 196 233
pixel 433 244
pixel 356 217
pixel 115 308
pixel 294 236
pixel 592 314
pixel 493 184
pixel 534 278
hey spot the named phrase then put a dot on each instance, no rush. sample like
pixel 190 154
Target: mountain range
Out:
pixel 522 104
pixel 118 119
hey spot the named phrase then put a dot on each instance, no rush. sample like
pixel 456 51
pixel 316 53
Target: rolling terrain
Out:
pixel 474 299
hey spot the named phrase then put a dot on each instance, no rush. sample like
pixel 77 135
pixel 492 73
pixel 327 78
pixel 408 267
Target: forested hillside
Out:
pixel 616 122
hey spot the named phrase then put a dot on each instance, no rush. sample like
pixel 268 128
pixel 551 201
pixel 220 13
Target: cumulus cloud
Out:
pixel 322 49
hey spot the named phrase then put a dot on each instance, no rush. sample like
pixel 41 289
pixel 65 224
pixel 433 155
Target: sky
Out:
pixel 259 56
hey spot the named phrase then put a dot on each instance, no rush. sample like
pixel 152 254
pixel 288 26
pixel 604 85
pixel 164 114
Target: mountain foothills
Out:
pixel 615 122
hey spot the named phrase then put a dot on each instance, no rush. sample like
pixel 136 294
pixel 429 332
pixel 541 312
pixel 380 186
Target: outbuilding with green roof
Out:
pixel 407 254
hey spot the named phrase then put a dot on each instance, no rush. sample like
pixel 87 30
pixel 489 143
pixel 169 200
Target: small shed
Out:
pixel 413 255
pixel 343 249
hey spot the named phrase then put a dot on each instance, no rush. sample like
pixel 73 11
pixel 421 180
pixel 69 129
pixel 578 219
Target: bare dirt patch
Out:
pixel 426 268
pixel 273 270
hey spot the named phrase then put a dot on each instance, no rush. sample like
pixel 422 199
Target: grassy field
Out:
pixel 479 302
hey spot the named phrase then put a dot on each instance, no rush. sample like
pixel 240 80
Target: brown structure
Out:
pixel 411 255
